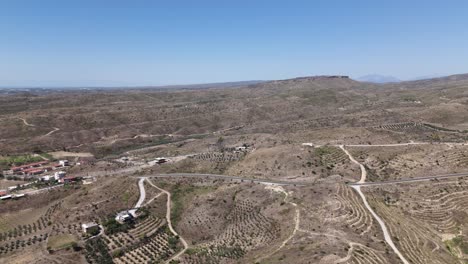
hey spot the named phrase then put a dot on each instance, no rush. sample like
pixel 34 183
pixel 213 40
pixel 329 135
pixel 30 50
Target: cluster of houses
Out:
pixel 38 168
pixel 92 228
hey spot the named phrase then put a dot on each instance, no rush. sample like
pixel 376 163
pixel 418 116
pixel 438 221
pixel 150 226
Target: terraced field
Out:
pixel 330 155
pixel 123 240
pixel 246 229
pixel 219 156
pixel 389 163
pixel 423 218
pixel 153 248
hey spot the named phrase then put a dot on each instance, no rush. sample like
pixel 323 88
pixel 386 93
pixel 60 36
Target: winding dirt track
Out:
pixel 26 122
pixel 169 223
pixel 55 129
pixel 357 188
pixel 363 169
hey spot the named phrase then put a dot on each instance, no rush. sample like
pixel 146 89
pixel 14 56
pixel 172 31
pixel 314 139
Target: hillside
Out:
pixel 285 171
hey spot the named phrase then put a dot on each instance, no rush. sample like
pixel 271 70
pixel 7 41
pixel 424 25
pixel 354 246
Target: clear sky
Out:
pixel 99 42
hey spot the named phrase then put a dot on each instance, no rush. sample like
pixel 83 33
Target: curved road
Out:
pixel 363 169
pixel 142 198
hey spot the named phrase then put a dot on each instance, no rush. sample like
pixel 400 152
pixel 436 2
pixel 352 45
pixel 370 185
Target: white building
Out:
pixel 47 178
pixel 123 217
pixel 59 175
pixel 90 227
pixel 64 163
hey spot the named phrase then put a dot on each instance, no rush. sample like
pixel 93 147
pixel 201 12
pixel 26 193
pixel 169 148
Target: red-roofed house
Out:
pixel 33 171
pixel 27 166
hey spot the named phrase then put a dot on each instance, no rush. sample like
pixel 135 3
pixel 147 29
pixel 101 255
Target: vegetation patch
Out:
pixel 457 245
pixel 111 226
pixel 18 160
pixel 61 242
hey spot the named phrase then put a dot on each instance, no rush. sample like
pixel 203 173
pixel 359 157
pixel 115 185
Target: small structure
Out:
pixel 64 163
pixel 6 197
pixel 3 192
pixel 160 160
pixel 47 178
pixel 123 217
pixel 90 228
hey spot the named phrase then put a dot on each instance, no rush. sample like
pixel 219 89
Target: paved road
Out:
pixel 227 177
pixel 169 222
pixel 43 190
pixel 453 175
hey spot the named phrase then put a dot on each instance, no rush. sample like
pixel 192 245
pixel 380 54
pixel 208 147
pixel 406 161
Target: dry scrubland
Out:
pixel 316 218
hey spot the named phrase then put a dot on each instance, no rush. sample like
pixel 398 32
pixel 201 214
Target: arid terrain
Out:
pixel 319 169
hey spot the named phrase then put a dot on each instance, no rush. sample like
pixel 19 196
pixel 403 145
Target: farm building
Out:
pixel 90 228
pixel 64 163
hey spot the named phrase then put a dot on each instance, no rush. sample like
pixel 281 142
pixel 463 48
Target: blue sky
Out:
pixel 106 43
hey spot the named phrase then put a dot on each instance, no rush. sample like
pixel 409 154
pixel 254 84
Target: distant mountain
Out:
pixel 10 89
pixel 425 77
pixel 452 80
pixel 376 78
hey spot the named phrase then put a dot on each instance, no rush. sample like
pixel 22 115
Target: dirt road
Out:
pixel 357 188
pixel 169 222
pixel 363 169
pixel 141 187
